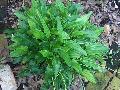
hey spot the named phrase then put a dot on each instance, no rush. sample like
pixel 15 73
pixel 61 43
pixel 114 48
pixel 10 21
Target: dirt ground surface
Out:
pixel 106 13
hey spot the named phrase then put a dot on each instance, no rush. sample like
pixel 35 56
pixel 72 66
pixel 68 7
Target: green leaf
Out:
pixel 38 34
pixel 60 5
pixel 63 54
pixel 23 24
pixel 88 75
pixel 76 46
pixel 91 34
pixel 24 72
pixel 77 33
pixel 20 15
pixel 68 76
pixel 49 74
pixel 96 48
pixel 56 64
pixel 76 66
pixel 74 54
pixel 62 34
pixel 46 29
pixel 32 24
pixel 71 63
pixel 45 53
pixel 90 63
pixel 75 8
pixel 34 4
pixel 84 19
pixel 59 25
pixel 19 51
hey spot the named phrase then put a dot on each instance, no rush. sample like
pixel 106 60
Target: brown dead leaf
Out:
pixel 106 29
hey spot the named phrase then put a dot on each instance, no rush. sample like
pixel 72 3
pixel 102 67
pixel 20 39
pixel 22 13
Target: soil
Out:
pixel 3 13
pixel 106 13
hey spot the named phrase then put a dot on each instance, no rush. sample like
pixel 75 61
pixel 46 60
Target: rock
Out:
pixel 114 85
pixel 7 80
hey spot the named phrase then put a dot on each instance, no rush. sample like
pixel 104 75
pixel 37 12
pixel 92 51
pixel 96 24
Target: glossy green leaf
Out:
pixel 46 29
pixel 88 75
pixel 76 66
pixel 84 19
pixel 45 53
pixel 76 46
pixel 62 34
pixel 19 51
pixel 20 15
pixel 56 63
pixel 38 34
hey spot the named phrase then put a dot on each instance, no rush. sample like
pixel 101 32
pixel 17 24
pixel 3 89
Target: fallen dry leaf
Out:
pixel 106 29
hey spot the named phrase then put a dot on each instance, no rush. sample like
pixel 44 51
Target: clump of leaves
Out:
pixel 56 41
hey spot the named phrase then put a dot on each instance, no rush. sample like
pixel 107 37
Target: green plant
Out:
pixel 56 41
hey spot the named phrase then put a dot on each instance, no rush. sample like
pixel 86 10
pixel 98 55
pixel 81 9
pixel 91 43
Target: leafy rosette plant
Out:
pixel 55 40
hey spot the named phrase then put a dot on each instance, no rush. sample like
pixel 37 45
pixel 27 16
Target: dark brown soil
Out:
pixel 105 12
